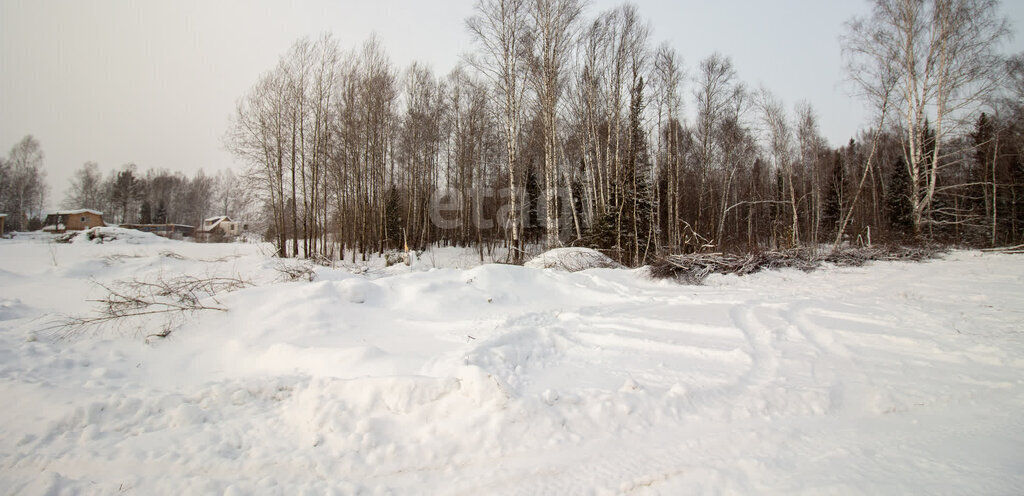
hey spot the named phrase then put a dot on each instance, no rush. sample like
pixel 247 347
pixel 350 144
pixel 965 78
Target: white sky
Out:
pixel 154 83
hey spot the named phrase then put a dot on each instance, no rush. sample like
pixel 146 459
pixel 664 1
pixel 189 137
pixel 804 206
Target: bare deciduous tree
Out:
pixel 553 29
pixel 86 188
pixel 669 75
pixel 714 87
pixel 942 54
pixel 779 136
pixel 23 183
pixel 499 29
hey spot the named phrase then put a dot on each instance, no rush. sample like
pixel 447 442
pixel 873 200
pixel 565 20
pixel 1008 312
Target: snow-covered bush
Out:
pixel 572 260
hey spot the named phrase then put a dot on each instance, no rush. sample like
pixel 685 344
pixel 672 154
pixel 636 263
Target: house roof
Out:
pixel 76 212
pixel 3 215
pixel 216 222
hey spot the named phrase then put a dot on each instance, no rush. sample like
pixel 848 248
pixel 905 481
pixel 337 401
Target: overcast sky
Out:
pixel 155 82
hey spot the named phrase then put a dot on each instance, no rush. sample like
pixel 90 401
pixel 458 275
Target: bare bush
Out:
pixel 295 271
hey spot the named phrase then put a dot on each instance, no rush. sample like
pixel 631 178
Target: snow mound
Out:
pixel 13 309
pixel 572 260
pixel 114 234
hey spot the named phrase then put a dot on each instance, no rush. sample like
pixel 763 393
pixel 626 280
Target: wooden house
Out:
pixel 221 225
pixel 73 220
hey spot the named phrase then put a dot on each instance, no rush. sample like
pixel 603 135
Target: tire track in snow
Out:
pixel 774 333
pixel 765 357
pixel 609 469
pixel 856 392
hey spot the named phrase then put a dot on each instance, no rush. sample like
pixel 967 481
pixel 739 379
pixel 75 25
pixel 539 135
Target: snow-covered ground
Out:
pixel 888 379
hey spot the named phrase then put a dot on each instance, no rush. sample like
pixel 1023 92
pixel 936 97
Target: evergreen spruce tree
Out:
pixel 897 199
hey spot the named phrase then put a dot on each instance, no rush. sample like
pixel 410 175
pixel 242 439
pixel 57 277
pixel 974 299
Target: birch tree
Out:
pixel 23 189
pixel 714 86
pixel 779 138
pixel 668 74
pixel 498 28
pixel 552 24
pixel 257 135
pixel 943 55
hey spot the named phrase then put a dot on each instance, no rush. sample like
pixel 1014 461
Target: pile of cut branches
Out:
pixel 694 268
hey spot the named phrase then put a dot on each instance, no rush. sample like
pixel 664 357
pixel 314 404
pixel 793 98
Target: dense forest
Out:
pixel 564 127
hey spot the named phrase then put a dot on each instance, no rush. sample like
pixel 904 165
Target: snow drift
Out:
pixel 892 378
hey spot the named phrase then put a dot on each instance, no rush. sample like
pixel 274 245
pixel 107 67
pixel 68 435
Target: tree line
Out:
pixel 566 128
pixel 158 196
pixel 125 196
pixel 563 129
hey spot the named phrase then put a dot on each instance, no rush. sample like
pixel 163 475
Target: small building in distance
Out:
pixel 3 217
pixel 221 225
pixel 73 220
pixel 172 231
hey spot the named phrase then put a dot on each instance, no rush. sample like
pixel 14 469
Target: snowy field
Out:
pixel 892 378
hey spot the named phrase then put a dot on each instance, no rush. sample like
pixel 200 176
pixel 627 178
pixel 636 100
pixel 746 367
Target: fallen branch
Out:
pixel 133 301
pixel 171 254
pixel 1012 250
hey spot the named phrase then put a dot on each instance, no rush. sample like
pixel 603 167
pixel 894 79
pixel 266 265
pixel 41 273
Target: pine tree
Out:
pixel 125 190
